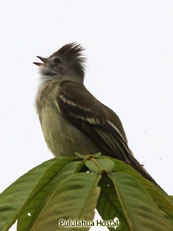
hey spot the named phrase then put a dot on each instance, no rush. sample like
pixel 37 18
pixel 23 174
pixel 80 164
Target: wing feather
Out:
pixel 91 116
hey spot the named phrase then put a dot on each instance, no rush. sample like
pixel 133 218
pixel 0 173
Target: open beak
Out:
pixel 44 60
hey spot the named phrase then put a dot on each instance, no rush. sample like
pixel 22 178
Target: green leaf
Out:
pixel 109 206
pixel 14 197
pixel 100 165
pixel 86 157
pixel 162 200
pixel 75 198
pixel 140 210
pixel 97 155
pixel 83 157
pixel 52 177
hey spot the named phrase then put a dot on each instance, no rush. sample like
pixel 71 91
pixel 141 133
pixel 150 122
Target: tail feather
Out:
pixel 139 168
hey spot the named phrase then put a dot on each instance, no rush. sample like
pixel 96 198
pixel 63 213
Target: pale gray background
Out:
pixel 129 45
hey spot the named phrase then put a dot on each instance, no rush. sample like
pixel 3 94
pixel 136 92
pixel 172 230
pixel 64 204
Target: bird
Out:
pixel 72 119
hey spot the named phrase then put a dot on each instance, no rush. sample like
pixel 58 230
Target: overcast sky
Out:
pixel 129 45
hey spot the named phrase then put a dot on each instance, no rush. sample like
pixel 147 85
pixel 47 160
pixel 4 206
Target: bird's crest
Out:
pixel 71 51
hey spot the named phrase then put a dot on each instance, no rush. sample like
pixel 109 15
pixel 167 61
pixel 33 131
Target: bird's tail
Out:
pixel 139 168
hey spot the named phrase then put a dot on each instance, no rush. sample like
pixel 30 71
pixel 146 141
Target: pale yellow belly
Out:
pixel 62 137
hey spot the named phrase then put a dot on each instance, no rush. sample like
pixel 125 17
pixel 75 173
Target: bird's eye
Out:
pixel 57 60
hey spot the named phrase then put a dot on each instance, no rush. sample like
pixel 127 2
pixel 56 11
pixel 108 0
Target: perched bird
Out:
pixel 72 119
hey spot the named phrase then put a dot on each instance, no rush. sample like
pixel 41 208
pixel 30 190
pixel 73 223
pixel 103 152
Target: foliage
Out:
pixel 71 189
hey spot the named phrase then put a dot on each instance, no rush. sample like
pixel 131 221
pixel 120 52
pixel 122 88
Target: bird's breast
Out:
pixel 61 136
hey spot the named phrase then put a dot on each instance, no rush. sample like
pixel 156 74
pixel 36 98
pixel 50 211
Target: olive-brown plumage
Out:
pixel 72 119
